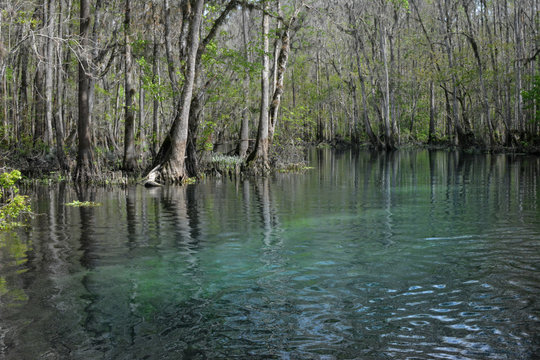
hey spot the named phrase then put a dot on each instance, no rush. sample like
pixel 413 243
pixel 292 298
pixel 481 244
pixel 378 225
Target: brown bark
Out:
pixel 281 63
pixel 389 142
pixel 49 71
pixel 155 106
pixel 258 159
pixel 129 162
pixel 431 134
pixel 59 117
pixel 171 162
pixel 244 130
pixel 85 170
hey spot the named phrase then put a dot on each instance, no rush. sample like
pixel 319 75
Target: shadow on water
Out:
pixel 370 255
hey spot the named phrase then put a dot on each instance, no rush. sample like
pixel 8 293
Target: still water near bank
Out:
pixel 413 254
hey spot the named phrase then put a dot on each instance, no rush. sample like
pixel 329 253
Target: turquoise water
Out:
pixel 411 255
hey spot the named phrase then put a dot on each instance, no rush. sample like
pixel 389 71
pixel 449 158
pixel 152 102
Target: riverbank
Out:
pixel 43 168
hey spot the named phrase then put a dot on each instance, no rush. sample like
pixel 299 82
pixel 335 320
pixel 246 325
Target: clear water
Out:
pixel 412 255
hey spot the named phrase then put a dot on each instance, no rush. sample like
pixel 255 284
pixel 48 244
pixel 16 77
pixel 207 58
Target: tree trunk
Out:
pixel 388 129
pixel 373 139
pixel 49 71
pixel 244 131
pixel 39 105
pixel 129 162
pixel 168 50
pixel 155 105
pixel 258 159
pixel 85 170
pixel 330 132
pixel 23 94
pixel 518 102
pixel 354 126
pixel 484 96
pixel 431 134
pixel 280 74
pixel 59 117
pixel 171 162
pixel 192 162
pixel 460 138
pixel 276 46
pixel 318 84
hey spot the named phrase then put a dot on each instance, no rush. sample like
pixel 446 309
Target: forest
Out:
pixel 158 87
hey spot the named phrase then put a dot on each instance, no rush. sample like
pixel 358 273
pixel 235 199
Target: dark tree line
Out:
pixel 89 85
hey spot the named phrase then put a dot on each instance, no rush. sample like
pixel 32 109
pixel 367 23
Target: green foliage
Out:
pixel 532 98
pixel 25 18
pixel 159 90
pixel 294 124
pixel 205 140
pixel 398 4
pixel 139 46
pixel 12 204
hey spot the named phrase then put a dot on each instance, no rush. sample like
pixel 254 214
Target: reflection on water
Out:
pixel 13 256
pixel 401 255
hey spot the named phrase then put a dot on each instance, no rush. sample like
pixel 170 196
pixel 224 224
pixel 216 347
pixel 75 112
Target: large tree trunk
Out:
pixel 39 129
pixel 518 38
pixel 49 71
pixel 85 169
pixel 23 95
pixel 389 143
pixel 354 129
pixel 320 136
pixel 278 88
pixel 244 130
pixel 282 59
pixel 277 49
pixel 170 163
pixel 59 117
pixel 168 50
pixel 257 161
pixel 129 162
pixel 155 105
pixel 192 162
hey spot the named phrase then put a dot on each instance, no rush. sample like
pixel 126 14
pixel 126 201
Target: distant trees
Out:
pixel 91 85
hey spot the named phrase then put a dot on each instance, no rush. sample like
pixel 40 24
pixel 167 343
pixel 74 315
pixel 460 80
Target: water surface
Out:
pixel 410 255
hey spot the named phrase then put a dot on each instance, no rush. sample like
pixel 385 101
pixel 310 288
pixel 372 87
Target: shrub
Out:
pixel 12 205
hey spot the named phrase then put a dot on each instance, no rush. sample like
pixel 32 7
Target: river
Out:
pixel 406 255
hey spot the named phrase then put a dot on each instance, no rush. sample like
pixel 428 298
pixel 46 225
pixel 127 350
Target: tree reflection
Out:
pixel 89 255
pixel 13 257
pixel 131 217
pixel 180 203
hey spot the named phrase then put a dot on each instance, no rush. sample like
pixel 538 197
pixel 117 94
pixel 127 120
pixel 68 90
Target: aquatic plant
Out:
pixel 77 203
pixel 226 161
pixel 12 205
pixel 225 164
